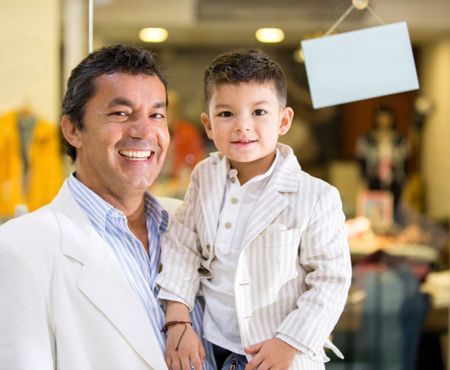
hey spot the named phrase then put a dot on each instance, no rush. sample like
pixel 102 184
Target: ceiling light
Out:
pixel 299 55
pixel 153 34
pixel 269 35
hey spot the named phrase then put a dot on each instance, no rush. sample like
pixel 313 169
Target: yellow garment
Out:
pixel 45 173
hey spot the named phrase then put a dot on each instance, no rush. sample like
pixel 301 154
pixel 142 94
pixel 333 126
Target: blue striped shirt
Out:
pixel 139 268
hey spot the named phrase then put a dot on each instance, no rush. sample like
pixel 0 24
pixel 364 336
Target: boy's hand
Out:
pixel 271 354
pixel 190 353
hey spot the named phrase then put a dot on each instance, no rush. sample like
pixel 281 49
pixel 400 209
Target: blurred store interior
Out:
pixel 398 308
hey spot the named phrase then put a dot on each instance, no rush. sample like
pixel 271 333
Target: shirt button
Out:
pixel 233 180
pixel 234 200
pixel 228 225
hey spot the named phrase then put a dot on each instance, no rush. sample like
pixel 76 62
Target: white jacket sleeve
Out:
pixel 26 341
pixel 180 256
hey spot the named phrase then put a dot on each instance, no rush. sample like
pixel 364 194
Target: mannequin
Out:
pixel 382 154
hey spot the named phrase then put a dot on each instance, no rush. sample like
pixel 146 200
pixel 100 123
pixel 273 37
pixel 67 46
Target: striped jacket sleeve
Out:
pixel 180 256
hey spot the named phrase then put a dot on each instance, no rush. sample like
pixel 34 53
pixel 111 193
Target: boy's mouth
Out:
pixel 243 141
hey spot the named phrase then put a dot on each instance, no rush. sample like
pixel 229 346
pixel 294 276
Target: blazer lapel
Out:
pixel 268 207
pixel 272 201
pixel 102 282
pixel 104 285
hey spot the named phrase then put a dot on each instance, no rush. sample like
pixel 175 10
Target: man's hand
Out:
pixel 273 354
pixel 190 353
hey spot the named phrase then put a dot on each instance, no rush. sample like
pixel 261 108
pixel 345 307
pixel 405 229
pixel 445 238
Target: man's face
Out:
pixel 122 147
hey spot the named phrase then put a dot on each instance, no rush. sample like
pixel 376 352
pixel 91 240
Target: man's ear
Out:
pixel 206 124
pixel 286 120
pixel 70 132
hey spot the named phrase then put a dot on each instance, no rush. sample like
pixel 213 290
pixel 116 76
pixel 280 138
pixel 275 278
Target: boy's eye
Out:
pixel 259 112
pixel 225 114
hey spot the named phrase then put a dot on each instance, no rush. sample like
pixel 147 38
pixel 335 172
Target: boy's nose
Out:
pixel 242 124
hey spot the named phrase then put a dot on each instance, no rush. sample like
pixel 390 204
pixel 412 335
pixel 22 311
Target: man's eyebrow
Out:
pixel 160 104
pixel 128 103
pixel 120 101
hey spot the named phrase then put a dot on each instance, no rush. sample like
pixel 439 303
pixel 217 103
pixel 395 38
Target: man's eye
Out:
pixel 119 113
pixel 259 112
pixel 225 114
pixel 157 115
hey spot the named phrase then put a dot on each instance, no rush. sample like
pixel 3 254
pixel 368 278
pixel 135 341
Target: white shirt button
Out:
pixel 234 200
pixel 233 180
pixel 228 225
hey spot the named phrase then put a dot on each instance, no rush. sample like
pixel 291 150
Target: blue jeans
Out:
pixel 235 362
pixel 227 360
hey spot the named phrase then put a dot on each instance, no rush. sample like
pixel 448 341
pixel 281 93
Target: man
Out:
pixel 77 277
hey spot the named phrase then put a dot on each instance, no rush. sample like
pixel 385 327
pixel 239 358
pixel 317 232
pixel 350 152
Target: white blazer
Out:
pixel 294 270
pixel 64 302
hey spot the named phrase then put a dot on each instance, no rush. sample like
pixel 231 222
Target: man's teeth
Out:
pixel 140 155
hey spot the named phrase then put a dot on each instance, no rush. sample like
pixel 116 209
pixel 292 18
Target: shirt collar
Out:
pixel 232 172
pixel 98 210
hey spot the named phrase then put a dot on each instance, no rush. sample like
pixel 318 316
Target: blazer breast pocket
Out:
pixel 273 260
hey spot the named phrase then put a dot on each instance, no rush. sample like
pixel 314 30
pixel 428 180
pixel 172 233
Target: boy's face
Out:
pixel 245 121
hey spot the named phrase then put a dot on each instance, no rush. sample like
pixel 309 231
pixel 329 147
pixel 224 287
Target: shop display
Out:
pixel 31 166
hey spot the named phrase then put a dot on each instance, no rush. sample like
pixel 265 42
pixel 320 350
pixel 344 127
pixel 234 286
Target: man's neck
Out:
pixel 137 223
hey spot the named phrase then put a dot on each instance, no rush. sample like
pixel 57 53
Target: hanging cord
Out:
pixel 348 11
pixel 375 16
pixel 339 21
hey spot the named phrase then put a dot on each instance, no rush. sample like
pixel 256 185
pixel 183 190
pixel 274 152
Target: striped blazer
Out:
pixel 294 270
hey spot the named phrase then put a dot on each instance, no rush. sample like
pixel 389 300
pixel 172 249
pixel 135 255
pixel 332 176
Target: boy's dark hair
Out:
pixel 107 60
pixel 244 65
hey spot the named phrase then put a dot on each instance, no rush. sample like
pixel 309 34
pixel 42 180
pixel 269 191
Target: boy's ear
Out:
pixel 206 124
pixel 286 120
pixel 70 132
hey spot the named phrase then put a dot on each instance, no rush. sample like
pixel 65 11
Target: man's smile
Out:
pixel 136 155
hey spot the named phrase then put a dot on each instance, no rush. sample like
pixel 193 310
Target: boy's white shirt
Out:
pixel 294 254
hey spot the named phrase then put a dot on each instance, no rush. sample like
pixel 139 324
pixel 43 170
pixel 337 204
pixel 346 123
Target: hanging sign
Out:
pixel 360 64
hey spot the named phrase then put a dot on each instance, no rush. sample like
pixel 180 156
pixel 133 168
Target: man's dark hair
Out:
pixel 107 60
pixel 244 65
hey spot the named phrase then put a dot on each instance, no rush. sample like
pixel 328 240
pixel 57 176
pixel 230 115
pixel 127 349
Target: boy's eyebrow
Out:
pixel 260 102
pixel 222 106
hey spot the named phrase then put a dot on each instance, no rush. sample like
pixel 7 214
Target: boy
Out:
pixel 265 241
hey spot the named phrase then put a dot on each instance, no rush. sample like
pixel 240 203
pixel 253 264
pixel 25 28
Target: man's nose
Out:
pixel 141 127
